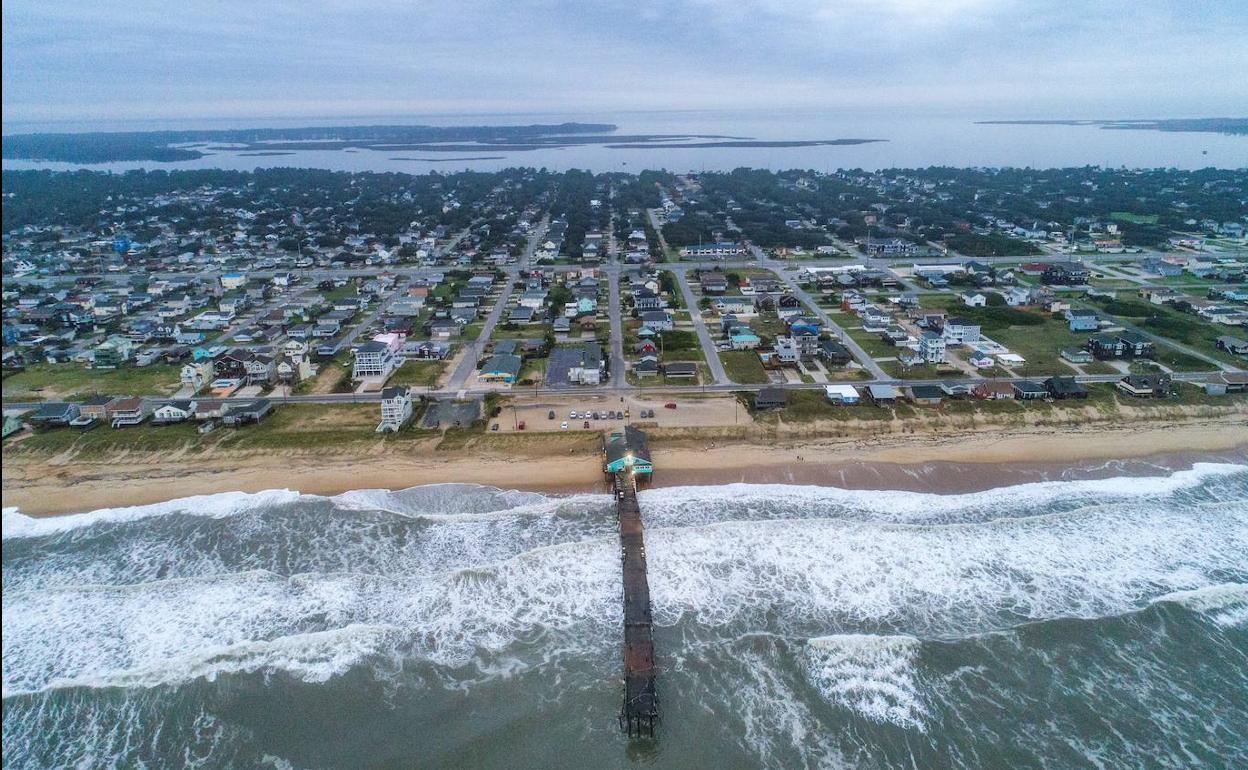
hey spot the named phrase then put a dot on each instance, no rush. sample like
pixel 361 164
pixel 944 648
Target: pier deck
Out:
pixel 640 711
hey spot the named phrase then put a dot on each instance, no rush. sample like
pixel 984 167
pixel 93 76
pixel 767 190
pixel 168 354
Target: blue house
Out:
pixel 744 339
pixel 1082 320
pixel 805 326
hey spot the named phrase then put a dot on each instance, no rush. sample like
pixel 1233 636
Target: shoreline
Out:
pixel 945 463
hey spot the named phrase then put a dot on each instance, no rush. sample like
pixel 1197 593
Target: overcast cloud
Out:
pixel 84 60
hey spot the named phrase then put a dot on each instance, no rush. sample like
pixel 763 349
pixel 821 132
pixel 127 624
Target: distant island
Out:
pixel 742 143
pixel 175 146
pixel 452 160
pixel 1186 125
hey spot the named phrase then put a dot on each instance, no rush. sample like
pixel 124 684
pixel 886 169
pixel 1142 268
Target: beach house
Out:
pixel 396 408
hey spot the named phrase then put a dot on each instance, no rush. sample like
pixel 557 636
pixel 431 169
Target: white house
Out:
pixel 1019 295
pixel 377 358
pixel 174 411
pixel 396 408
pixel 974 299
pixel 841 393
pixel 194 375
pixel 932 348
pixel 960 331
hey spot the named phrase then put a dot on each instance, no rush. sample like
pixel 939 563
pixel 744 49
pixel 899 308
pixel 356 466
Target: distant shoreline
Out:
pixel 449 160
pixel 1233 126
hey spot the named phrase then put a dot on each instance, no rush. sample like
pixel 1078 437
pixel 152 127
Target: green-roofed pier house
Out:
pixel 626 451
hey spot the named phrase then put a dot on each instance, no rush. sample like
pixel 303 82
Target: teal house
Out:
pixel 626 450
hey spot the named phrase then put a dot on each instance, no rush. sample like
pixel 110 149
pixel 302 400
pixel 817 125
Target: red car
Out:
pixel 670 405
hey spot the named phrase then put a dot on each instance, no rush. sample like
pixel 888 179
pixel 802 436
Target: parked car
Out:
pixel 563 426
pixel 550 415
pixel 494 426
pixel 521 425
pixel 670 405
pixel 587 425
pixel 595 415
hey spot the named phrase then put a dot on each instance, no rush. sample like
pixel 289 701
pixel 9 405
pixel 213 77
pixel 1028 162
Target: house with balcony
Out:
pixel 932 348
pixel 960 331
pixel 129 411
pixel 377 357
pixel 113 352
pixel 396 408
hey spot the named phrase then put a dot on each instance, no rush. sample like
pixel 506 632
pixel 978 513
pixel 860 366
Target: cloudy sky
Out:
pixel 88 60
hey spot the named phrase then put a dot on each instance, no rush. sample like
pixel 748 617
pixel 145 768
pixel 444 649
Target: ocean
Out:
pixel 1054 624
pixel 912 140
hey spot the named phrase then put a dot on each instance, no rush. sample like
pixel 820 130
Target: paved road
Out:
pixel 615 310
pixel 860 353
pixel 699 325
pixel 474 349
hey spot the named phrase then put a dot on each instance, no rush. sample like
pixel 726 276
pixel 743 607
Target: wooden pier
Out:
pixel 640 712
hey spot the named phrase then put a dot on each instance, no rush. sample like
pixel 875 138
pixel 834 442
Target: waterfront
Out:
pixel 910 141
pixel 461 625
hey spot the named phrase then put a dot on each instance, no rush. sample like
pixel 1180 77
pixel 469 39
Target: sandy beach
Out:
pixel 939 461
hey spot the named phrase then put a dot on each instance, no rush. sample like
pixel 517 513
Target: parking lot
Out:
pixel 450 414
pixel 534 412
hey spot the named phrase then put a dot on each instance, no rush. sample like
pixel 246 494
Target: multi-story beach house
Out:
pixel 960 331
pixel 378 357
pixel 932 348
pixel 396 408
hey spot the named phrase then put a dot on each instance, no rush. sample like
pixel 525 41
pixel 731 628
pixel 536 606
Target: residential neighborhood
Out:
pixel 523 283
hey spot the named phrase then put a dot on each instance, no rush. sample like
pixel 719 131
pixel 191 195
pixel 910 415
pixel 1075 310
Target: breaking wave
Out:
pixel 818 626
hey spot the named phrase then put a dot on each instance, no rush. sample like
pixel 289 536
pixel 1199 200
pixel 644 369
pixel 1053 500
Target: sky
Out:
pixel 90 62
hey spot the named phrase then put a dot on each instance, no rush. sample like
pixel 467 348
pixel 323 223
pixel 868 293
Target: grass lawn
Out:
pixel 1098 367
pixel 1186 328
pixel 1180 361
pixel 425 373
pixel 533 370
pixel 1041 345
pixel 1186 279
pixel 768 326
pixel 1139 219
pixel 46 381
pixel 875 347
pixel 743 366
pixel 923 372
pixel 504 331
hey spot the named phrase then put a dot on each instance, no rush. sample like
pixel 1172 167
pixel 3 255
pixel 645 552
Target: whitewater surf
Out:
pixel 1064 623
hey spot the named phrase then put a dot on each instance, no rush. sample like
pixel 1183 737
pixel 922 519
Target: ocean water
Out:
pixel 1095 623
pixel 912 140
